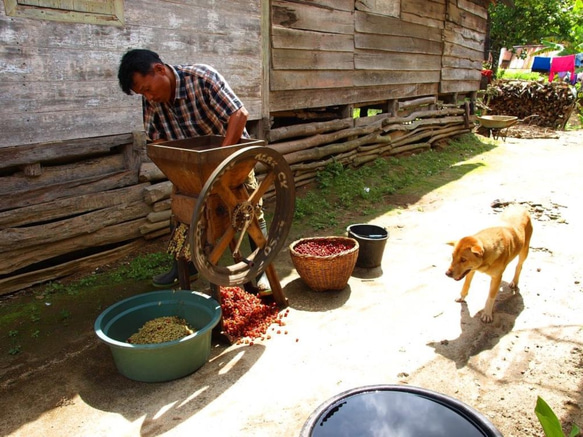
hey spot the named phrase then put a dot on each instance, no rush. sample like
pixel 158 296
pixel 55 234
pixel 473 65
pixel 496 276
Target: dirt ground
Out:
pixel 397 324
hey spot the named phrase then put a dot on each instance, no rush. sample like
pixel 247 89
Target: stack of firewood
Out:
pixel 414 126
pixel 543 103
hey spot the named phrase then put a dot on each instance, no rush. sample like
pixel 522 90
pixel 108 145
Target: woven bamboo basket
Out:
pixel 322 273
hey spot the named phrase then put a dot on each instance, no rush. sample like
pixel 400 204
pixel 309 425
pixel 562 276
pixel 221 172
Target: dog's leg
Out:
pixel 466 286
pixel 521 258
pixel 494 287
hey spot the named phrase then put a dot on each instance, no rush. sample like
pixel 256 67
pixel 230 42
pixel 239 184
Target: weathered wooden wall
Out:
pixel 340 52
pixel 463 52
pixel 58 81
pixel 77 189
pixel 345 52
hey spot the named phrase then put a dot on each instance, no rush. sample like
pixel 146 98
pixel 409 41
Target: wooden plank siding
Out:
pixel 347 96
pixel 328 55
pixel 312 49
pixel 59 80
pixel 425 12
pixel 311 16
pixel 463 37
pixel 391 51
pixel 284 38
pixel 285 59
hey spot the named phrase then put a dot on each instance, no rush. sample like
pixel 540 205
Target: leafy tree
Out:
pixel 536 22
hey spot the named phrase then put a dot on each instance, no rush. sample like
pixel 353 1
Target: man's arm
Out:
pixel 235 126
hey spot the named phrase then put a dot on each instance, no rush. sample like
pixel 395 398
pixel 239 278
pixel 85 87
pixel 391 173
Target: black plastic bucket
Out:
pixel 371 240
pixel 398 410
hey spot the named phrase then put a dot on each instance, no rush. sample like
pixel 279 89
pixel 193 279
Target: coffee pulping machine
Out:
pixel 210 196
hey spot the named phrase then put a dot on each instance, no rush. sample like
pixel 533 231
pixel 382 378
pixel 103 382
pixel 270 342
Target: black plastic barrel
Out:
pixel 371 240
pixel 391 410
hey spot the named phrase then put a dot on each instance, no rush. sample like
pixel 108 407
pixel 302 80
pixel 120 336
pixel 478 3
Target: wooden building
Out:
pixel 76 186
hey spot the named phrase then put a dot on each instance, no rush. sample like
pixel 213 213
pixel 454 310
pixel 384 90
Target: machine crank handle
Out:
pixel 238 258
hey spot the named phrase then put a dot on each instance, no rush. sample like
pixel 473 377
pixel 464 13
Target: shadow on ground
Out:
pixel 477 336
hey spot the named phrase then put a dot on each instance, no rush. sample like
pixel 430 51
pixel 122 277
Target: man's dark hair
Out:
pixel 135 61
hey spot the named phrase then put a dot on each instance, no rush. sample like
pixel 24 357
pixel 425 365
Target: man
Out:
pixel 184 101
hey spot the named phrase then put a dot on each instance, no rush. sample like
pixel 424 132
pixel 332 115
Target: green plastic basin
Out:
pixel 163 361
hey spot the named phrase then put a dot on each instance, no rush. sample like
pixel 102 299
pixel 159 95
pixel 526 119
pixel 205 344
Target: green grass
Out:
pixel 339 191
pixel 139 268
pixel 519 75
pixel 49 309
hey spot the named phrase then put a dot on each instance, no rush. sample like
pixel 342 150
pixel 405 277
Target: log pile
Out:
pixel 414 126
pixel 69 206
pixel 72 206
pixel 544 104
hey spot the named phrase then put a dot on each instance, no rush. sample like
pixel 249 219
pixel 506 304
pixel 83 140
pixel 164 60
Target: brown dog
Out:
pixel 490 251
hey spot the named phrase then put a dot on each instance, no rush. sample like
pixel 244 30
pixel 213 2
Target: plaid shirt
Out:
pixel 203 103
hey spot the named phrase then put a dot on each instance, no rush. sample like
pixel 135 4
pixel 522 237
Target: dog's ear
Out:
pixel 451 243
pixel 478 249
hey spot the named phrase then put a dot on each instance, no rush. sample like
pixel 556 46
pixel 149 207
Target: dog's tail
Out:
pixel 515 212
pixel 517 215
